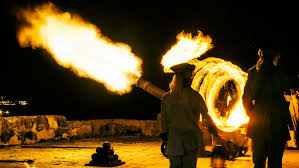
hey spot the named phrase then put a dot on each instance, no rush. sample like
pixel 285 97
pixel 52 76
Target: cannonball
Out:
pixel 106 145
pixel 109 151
pixel 110 163
pixel 94 156
pixel 110 157
pixel 99 150
pixel 115 157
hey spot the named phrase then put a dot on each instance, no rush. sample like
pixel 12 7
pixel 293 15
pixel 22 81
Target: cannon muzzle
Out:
pixel 150 88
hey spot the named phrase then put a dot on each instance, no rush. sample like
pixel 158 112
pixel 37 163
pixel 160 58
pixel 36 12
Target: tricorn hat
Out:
pixel 183 67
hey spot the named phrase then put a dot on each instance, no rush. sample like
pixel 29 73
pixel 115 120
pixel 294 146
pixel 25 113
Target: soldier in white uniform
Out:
pixel 181 108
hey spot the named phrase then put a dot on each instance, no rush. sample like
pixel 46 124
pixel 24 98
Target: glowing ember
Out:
pixel 186 48
pixel 80 46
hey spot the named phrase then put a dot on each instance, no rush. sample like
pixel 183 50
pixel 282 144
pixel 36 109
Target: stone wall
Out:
pixel 31 129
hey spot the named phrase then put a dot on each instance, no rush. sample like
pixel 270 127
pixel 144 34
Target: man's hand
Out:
pixel 164 136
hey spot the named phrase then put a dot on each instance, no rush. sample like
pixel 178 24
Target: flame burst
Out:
pixel 186 48
pixel 212 74
pixel 80 46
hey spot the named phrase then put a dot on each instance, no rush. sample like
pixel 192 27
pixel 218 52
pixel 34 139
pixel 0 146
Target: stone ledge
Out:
pixel 19 130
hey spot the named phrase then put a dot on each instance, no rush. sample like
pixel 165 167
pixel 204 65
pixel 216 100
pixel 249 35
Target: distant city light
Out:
pixel 23 102
pixel 4 113
pixel 5 102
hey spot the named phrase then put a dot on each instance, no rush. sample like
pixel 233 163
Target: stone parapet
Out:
pixel 19 130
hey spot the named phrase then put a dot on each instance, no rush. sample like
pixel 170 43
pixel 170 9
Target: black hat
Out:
pixel 269 53
pixel 183 67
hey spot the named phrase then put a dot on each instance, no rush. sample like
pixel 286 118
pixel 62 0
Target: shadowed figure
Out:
pixel 264 102
pixel 181 107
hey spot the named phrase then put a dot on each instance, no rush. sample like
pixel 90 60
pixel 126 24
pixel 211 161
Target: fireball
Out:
pixel 80 46
pixel 186 48
pixel 221 84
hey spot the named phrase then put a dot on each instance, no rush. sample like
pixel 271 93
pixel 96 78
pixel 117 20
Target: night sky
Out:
pixel 237 30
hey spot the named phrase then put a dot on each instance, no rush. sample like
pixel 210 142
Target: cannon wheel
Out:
pixel 164 149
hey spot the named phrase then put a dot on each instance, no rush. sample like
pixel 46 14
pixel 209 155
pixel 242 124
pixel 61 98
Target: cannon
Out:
pixel 151 88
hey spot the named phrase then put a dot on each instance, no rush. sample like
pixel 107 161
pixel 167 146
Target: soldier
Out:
pixel 181 107
pixel 292 99
pixel 264 102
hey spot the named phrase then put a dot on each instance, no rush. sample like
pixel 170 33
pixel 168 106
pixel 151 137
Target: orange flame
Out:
pixel 186 48
pixel 211 75
pixel 80 46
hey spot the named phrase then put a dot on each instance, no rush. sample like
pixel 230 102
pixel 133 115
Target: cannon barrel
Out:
pixel 150 88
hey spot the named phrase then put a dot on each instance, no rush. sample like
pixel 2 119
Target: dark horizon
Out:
pixel 237 30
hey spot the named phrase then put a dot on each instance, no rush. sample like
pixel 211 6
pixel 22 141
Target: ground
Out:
pixel 137 152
